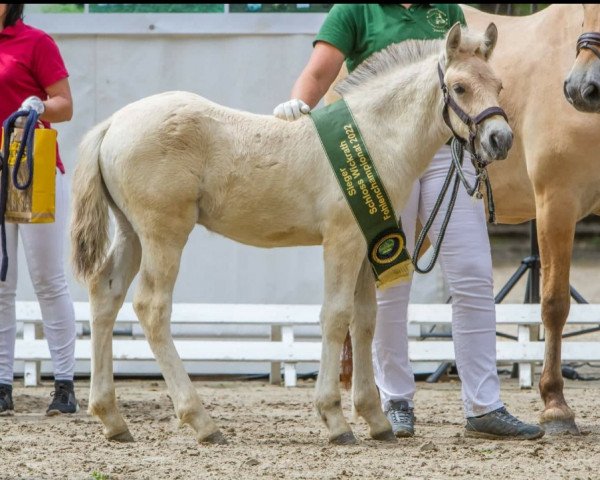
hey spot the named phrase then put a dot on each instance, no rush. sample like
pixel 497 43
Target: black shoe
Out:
pixel 6 402
pixel 499 425
pixel 402 418
pixel 64 400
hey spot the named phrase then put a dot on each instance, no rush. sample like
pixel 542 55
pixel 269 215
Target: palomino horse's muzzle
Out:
pixel 498 141
pixel 582 86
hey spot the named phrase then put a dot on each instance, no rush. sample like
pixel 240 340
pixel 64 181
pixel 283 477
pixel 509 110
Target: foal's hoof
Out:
pixel 216 438
pixel 385 436
pixel 346 438
pixel 123 437
pixel 561 427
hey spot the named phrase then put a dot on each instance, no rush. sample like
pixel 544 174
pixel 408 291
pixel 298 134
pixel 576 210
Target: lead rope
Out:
pixel 456 166
pixel 27 140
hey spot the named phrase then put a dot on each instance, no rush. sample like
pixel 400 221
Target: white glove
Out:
pixel 33 103
pixel 291 110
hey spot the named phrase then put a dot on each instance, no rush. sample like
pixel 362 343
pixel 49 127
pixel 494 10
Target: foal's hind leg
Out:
pixel 107 293
pixel 342 264
pixel 152 303
pixel 362 328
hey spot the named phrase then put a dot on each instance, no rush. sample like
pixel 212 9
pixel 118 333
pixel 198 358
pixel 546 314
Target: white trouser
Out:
pixel 466 262
pixel 44 251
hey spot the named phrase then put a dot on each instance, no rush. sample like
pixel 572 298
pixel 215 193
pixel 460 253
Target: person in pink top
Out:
pixel 33 76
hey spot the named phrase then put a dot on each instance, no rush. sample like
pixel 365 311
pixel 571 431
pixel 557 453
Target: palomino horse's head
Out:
pixel 582 86
pixel 471 92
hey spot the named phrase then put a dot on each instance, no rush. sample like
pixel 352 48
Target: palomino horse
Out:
pixel 174 160
pixel 552 171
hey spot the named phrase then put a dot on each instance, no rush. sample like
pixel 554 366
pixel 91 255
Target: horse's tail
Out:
pixel 90 221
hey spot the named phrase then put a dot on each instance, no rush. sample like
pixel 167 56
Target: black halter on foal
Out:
pixel 458 146
pixel 589 41
pixel 471 122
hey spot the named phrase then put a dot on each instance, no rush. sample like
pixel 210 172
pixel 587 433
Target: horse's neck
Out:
pixel 400 119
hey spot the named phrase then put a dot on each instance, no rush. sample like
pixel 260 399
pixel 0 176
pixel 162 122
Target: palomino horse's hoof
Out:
pixel 385 436
pixel 216 438
pixel 561 427
pixel 122 437
pixel 346 438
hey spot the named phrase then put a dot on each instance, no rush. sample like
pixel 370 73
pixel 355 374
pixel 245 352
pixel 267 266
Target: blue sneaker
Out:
pixel 499 425
pixel 402 418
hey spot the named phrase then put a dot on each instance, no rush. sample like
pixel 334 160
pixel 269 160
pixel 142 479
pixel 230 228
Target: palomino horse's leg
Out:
pixel 362 328
pixel 107 293
pixel 556 229
pixel 161 256
pixel 342 264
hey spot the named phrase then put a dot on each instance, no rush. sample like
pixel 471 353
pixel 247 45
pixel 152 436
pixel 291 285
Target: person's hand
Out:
pixel 33 103
pixel 291 110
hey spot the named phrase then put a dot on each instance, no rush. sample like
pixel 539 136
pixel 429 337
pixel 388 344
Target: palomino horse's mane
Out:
pixel 402 54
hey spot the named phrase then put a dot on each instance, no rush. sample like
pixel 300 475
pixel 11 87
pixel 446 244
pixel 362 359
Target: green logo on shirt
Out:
pixel 438 20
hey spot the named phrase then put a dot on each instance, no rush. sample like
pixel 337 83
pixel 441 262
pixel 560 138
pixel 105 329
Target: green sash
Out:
pixel 365 193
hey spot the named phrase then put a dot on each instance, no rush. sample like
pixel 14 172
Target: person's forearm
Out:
pixel 318 75
pixel 309 89
pixel 57 109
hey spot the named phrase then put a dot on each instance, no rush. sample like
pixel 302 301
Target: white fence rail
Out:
pixel 284 348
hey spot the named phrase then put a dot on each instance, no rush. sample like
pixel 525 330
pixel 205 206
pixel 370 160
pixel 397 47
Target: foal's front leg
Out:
pixel 362 328
pixel 342 264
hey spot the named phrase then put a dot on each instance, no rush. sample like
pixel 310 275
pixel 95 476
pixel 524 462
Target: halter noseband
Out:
pixel 471 122
pixel 589 40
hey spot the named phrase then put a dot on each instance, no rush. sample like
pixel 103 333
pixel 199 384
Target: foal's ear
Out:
pixel 452 41
pixel 489 40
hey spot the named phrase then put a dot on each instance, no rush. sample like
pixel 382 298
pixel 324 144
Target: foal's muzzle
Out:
pixel 496 140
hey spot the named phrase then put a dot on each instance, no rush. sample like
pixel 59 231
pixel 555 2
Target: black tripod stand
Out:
pixel 529 264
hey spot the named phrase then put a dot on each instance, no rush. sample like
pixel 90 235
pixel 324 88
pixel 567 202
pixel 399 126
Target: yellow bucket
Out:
pixel 35 204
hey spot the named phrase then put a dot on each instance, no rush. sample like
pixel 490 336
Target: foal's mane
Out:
pixel 402 54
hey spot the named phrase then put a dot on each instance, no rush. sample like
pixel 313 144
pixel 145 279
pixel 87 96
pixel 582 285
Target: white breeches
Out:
pixel 465 259
pixel 44 250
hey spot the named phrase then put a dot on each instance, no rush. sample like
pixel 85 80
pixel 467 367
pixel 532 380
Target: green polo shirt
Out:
pixel 359 30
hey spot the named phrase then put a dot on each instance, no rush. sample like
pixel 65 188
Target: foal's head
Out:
pixel 582 86
pixel 471 88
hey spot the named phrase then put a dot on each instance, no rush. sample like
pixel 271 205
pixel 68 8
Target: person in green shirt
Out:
pixel 351 33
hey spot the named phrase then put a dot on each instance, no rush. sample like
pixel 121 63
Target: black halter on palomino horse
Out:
pixel 589 41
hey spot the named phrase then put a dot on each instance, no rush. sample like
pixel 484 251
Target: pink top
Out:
pixel 29 62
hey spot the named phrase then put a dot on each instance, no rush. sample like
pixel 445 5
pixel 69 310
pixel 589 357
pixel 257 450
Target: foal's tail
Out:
pixel 90 221
pixel 346 363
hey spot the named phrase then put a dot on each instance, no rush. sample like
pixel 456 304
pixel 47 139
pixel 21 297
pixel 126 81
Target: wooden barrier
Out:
pixel 283 348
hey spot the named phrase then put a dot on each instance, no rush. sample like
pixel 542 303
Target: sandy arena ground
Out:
pixel 274 432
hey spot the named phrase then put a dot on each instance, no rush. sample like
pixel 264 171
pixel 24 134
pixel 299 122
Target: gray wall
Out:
pixel 243 61
pixel 252 72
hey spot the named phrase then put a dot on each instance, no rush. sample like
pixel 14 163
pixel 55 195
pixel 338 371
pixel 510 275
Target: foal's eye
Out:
pixel 458 89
